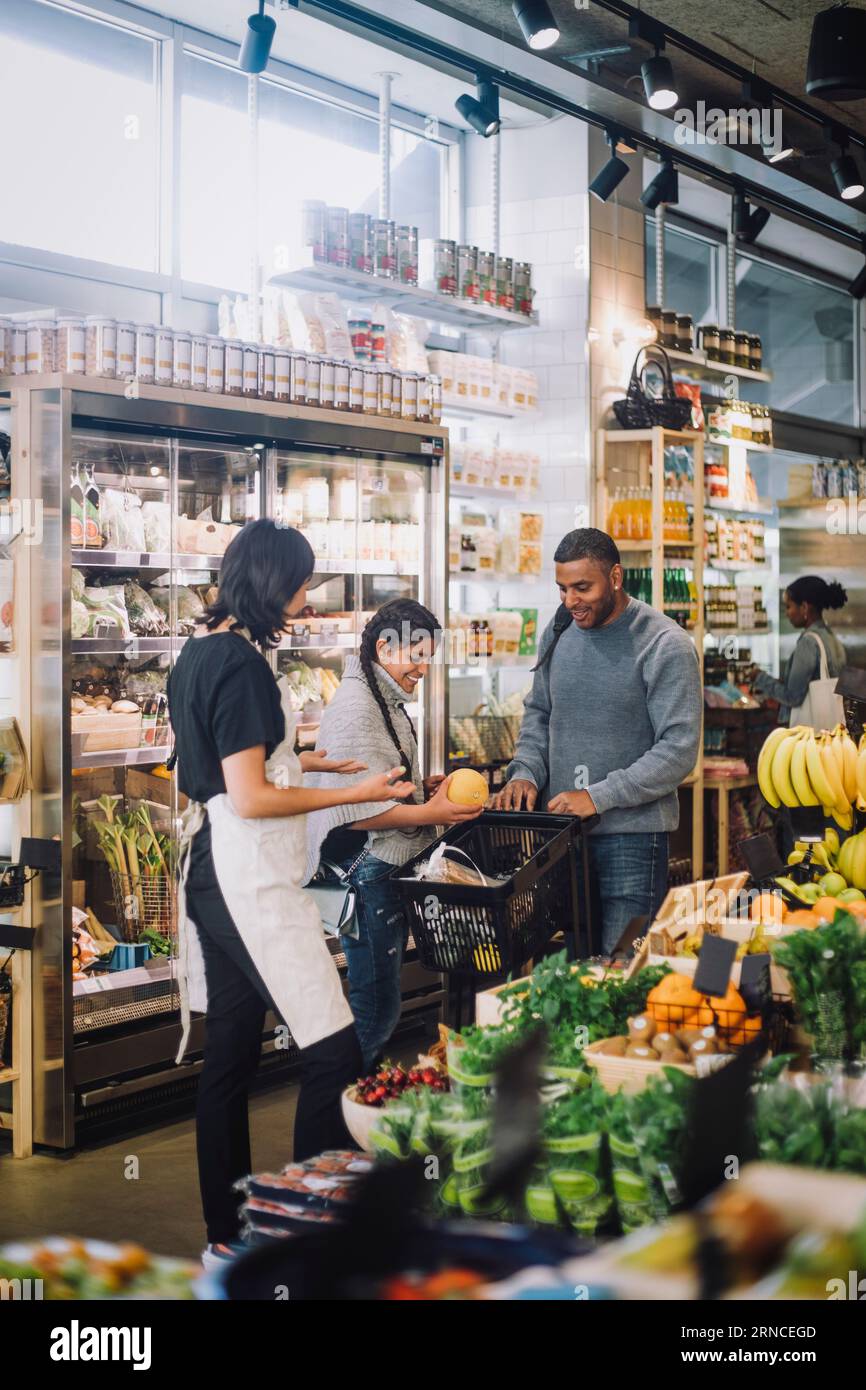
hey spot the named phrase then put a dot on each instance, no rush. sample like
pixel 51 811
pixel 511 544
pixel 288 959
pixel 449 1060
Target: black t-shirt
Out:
pixel 222 700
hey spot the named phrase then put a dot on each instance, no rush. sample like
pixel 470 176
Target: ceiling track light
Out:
pixel 482 110
pixel 537 23
pixel 256 47
pixel 846 175
pixel 611 175
pixel 664 188
pixel 836 69
pixel 657 73
pixel 747 223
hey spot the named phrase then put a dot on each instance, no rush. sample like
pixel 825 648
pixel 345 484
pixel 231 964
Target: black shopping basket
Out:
pixel 476 932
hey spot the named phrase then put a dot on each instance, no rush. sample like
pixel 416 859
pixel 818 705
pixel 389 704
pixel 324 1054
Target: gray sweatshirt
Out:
pixel 616 712
pixel 353 727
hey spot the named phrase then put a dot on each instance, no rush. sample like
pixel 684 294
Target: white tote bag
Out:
pixel 822 707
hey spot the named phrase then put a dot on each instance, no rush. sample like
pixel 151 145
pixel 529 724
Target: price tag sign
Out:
pixel 755 982
pixel 714 965
pixel 761 857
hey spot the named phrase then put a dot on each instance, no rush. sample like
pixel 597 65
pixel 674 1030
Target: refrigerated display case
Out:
pixel 161 484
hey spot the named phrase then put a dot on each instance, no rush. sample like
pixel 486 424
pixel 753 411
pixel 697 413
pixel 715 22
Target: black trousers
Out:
pixel 237 1001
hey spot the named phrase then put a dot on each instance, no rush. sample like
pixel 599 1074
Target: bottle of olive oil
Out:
pixel 76 509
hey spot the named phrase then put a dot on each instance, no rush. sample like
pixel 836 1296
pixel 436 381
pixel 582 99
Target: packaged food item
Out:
pixel 216 360
pixel 330 316
pixel 467 272
pixel 181 371
pixel 164 365
pixel 384 248
pixel 487 278
pixel 189 607
pixel 356 389
pixel 435 384
pixel 18 349
pixel 70 352
pixel 361 334
pixel 314 380
pixel 199 362
pixel 106 610
pixel 445 266
pixel 341 385
pixel 361 242
pixel 407 255
pixel 328 384
pixel 145 353
pixel 156 520
pixel 505 283
pixel 410 396
pixel 120 520
pixel 6 347
pixel 283 375
pixel 338 236
pixel 523 291
pixel 371 397
pixel 315 227
pixel 250 369
pixel 396 395
pixel 146 619
pixel 125 350
pixel 202 535
pixel 234 369
pixel 300 373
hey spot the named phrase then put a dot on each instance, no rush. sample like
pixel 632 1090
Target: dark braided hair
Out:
pixel 409 622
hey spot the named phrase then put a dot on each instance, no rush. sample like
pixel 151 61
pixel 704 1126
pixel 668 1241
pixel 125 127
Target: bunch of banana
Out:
pixel 851 861
pixel 797 767
pixel 861 775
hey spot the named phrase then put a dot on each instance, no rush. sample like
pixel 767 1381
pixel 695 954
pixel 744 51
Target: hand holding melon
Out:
pixel 462 796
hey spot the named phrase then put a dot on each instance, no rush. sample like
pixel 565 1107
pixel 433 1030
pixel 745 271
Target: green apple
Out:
pixel 832 885
pixel 851 895
pixel 810 892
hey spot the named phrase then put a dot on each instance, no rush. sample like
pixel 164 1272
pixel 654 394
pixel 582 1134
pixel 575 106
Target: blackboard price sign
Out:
pixel 714 965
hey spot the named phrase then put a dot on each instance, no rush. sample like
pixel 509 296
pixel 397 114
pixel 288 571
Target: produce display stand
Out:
pixel 722 788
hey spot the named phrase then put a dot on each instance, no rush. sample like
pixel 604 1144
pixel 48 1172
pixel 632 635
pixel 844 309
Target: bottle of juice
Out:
pixel 693 603
pixel 615 518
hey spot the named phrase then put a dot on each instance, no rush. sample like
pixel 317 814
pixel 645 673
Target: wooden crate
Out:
pixel 737 929
pixel 712 896
pixel 628 1074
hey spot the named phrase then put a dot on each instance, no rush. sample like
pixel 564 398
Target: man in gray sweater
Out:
pixel 612 726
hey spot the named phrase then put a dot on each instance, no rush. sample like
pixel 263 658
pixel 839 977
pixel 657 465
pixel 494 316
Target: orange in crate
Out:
pixel 675 1003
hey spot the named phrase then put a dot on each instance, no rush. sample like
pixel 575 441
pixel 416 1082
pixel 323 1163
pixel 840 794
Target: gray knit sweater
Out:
pixel 353 727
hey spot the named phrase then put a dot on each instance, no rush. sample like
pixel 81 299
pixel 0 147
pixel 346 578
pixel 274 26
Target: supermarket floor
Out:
pixel 95 1192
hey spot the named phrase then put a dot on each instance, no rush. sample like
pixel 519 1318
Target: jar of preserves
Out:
pixel 685 333
pixel 445 266
pixel 741 350
pixel 756 353
pixel 234 368
pixel 338 237
pixel 654 319
pixel 283 375
pixel 407 255
pixel 145 352
pixel 523 291
pixel 101 346
pixel 361 242
pixel 727 347
pixel 164 366
pixel 487 278
pixel 710 345
pixel 199 362
pixel 6 347
pixel 396 410
pixel 41 342
pixel 300 371
pixel 18 349
pixel 314 227
pixel 669 329
pixel 181 373
pixel 467 272
pixel 328 384
pixel 424 398
pixel 385 248
pixel 267 374
pixel 216 365
pixel 373 380
pixel 356 389
pixel 125 349
pixel 505 283
pixel 435 399
pixel 70 352
pixel 314 379
pixel 251 369
pixel 409 405
pixel 341 385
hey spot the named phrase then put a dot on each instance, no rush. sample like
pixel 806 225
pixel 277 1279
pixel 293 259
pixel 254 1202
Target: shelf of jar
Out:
pixel 119 757
pixel 702 365
pixel 345 641
pixel 472 493
pixel 617 436
pixel 137 560
pixel 736 566
pixel 469 410
pixel 721 504
pixel 405 299
pixel 741 444
pixel 636 547
pixel 385 568
pixel 738 632
pixel 125 646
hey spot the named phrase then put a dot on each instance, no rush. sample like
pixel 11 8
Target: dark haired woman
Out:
pixel 818 654
pixel 367 718
pixel 250 937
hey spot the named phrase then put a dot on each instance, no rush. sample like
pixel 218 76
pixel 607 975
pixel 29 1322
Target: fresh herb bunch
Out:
pixel 814 1126
pixel 578 1112
pixel 556 996
pixel 482 1047
pixel 827 970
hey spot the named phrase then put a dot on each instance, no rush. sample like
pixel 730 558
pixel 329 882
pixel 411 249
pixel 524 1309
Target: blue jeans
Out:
pixel 375 958
pixel 628 878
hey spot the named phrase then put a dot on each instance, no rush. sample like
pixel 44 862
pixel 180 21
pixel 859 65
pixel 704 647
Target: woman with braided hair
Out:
pixel 368 716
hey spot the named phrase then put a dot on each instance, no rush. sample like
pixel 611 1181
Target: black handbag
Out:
pixel 640 410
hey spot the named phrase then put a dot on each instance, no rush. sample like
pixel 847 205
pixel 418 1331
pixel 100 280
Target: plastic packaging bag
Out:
pixel 189 607
pixel 120 520
pixel 106 608
pixel 146 619
pixel 156 518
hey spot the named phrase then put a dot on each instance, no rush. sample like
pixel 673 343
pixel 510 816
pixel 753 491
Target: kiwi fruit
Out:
pixel 613 1047
pixel 646 1054
pixel 703 1047
pixel 641 1028
pixel 663 1040
pixel 672 1052
pixel 687 1036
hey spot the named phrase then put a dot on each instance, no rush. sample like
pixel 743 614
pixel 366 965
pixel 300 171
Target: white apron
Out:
pixel 259 867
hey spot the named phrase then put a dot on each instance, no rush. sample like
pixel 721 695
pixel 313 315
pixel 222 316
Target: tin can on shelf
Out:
pixel 341 385
pixel 216 365
pixel 467 272
pixel 164 354
pixel 267 374
pixel 181 374
pixel 70 351
pixel 505 283
pixel 445 266
pixel 742 350
pixel 199 362
pixel 371 393
pixel 101 346
pixel 328 384
pixel 251 369
pixel 283 375
pixel 384 248
pixel 145 353
pixel 407 255
pixel 125 349
pixel 234 368
pixel 18 349
pixel 314 379
pixel 356 389
pixel 379 342
pixel 487 278
pixel 300 372
pixel 314 223
pixel 338 237
pixel 361 334
pixel 523 291
pixel 361 242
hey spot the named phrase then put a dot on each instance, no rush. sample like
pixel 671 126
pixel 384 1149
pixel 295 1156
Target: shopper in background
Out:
pixel 611 727
pixel 367 718
pixel 250 937
pixel 806 601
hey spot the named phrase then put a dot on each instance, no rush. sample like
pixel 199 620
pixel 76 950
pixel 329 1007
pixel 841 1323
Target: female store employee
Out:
pixel 250 938
pixel 806 601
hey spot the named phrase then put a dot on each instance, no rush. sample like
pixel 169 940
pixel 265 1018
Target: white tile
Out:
pixel 574 346
pixel 575 210
pixel 569 311
pixel 547 214
pixel 518 217
pixel 547 348
pixel 563 245
pixel 562 382
pixel 546 280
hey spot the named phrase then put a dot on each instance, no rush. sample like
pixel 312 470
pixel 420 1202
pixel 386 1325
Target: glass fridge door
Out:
pixel 368 521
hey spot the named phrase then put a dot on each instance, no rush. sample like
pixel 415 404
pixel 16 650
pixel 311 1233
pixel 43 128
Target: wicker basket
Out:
pixel 628 1074
pixel 143 904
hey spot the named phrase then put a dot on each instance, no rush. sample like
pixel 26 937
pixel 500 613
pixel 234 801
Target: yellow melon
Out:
pixel 467 787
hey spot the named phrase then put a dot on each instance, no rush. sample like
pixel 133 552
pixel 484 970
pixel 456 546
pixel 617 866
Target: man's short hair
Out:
pixel 588 543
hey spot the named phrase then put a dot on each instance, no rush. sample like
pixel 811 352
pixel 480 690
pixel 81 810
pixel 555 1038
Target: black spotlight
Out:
pixel 537 23
pixel 836 68
pixel 658 83
pixel 665 188
pixel 482 110
pixel 748 223
pixel 611 175
pixel 847 177
pixel 256 47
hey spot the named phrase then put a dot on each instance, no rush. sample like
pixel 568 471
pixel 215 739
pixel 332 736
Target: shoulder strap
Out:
pixel 824 669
